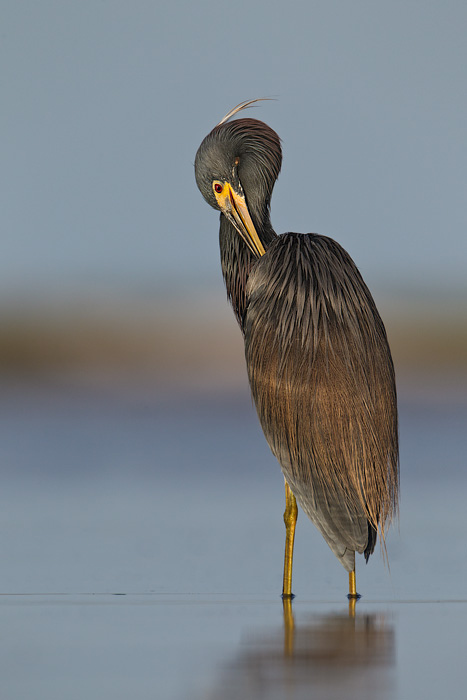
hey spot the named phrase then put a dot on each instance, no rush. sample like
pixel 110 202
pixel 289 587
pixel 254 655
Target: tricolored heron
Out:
pixel 318 359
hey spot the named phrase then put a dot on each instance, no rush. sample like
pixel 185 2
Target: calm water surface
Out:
pixel 141 548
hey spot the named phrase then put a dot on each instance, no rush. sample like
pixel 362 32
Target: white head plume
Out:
pixel 242 105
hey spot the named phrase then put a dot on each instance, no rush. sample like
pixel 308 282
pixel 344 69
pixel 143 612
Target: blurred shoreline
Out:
pixel 192 343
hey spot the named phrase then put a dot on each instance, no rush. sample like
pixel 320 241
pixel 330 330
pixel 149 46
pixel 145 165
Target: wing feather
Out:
pixel 322 379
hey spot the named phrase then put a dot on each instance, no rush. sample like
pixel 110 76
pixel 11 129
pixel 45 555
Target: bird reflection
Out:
pixel 339 655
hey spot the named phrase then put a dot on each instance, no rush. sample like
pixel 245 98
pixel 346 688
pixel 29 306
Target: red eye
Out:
pixel 218 188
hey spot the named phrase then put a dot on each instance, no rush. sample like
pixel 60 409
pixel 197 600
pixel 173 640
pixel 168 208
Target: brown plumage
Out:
pixel 318 360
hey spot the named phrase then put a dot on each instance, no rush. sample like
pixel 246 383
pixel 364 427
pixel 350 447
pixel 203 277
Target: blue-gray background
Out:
pixel 105 103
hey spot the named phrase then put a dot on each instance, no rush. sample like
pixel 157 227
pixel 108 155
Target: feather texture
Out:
pixel 322 380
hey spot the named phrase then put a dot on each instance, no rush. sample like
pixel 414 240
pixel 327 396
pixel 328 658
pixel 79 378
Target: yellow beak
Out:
pixel 234 207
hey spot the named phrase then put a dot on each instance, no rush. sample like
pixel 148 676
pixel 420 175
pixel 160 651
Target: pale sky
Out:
pixel 104 104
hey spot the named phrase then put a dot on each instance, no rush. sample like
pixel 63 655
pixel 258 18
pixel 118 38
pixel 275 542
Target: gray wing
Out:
pixel 322 379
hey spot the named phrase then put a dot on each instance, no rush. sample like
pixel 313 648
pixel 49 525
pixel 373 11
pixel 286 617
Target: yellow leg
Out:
pixel 352 585
pixel 290 520
pixel 353 595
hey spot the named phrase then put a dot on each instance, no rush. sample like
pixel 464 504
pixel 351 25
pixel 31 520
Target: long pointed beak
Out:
pixel 236 210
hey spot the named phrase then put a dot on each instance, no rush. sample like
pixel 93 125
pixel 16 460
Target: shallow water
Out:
pixel 177 503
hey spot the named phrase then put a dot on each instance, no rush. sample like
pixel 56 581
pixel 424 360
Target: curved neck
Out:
pixel 237 261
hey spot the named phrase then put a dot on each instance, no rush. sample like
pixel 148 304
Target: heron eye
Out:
pixel 218 187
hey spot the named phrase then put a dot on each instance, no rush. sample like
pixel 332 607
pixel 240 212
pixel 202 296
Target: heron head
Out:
pixel 236 167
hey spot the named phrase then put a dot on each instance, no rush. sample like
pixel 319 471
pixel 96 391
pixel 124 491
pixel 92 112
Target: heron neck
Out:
pixel 237 261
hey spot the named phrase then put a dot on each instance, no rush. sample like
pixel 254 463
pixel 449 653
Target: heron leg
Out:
pixel 353 586
pixel 290 520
